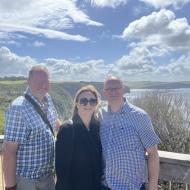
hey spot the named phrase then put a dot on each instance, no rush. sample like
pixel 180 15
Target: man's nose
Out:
pixel 45 85
pixel 113 91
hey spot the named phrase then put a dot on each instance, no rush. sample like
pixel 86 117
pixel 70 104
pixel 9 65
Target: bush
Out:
pixel 170 117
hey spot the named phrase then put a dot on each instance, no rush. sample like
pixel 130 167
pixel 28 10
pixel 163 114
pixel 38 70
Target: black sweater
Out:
pixel 78 156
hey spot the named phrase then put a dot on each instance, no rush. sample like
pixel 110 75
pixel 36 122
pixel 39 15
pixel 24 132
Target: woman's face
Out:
pixel 86 104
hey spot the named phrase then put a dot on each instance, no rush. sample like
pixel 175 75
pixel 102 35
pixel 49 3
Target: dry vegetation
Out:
pixel 170 115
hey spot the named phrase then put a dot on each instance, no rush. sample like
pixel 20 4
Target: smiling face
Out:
pixel 113 91
pixel 86 104
pixel 39 84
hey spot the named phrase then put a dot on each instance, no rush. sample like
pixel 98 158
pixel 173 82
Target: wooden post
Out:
pixel 170 185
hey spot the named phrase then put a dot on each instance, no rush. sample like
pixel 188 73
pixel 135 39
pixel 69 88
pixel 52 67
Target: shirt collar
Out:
pixel 28 91
pixel 124 109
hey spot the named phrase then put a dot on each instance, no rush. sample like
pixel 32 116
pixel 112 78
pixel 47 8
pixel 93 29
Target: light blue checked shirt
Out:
pixel 124 136
pixel 23 124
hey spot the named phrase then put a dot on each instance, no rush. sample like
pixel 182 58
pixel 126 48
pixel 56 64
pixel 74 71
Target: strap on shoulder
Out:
pixel 40 112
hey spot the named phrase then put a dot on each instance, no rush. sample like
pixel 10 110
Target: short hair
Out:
pixel 87 88
pixel 113 78
pixel 37 68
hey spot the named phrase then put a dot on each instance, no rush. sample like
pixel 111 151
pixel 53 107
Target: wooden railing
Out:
pixel 174 167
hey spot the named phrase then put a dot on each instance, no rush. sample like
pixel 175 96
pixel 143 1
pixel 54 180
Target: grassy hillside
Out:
pixel 63 93
pixel 10 90
pixel 1 120
pixel 12 82
pixel 62 99
pixel 72 87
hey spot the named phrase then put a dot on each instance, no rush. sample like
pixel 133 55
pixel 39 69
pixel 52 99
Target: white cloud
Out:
pixel 93 70
pixel 157 4
pixel 60 69
pixel 159 52
pixel 138 65
pixel 46 17
pixel 160 29
pixel 156 23
pixel 12 64
pixel 38 44
pixel 179 68
pixel 52 34
pixel 108 3
pixel 138 60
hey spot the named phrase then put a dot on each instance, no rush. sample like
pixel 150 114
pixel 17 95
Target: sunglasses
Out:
pixel 85 101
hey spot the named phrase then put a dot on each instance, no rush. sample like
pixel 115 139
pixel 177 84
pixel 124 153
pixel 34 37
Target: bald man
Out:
pixel 28 148
pixel 126 135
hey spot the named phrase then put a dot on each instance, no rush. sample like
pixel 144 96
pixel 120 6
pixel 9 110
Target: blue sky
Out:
pixel 136 40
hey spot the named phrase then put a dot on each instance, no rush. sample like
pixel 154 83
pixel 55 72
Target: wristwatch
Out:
pixel 11 188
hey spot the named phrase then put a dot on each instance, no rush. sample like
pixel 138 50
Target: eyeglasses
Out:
pixel 113 89
pixel 85 101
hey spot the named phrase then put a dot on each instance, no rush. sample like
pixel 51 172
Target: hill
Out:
pixel 63 93
pixel 72 87
pixel 10 90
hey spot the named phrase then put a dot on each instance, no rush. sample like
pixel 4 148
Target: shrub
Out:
pixel 170 117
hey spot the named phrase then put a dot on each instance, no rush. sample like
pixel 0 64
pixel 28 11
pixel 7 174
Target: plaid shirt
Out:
pixel 125 135
pixel 35 154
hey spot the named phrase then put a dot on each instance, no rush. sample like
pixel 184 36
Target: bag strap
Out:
pixel 40 112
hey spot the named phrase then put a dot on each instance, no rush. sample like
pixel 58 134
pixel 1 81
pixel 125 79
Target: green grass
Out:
pixel 9 90
pixel 13 82
pixel 2 120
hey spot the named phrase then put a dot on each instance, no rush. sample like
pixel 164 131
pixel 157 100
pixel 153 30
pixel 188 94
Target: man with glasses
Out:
pixel 126 135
